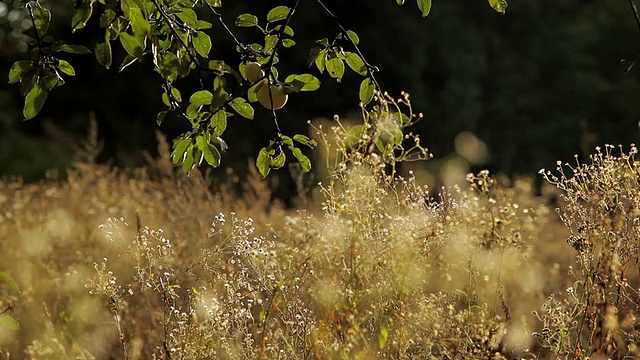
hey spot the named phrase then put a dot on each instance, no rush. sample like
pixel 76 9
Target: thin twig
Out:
pixel 219 16
pixel 269 63
pixel 636 16
pixel 371 69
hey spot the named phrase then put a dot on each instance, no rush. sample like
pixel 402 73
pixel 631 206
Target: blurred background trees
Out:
pixel 541 83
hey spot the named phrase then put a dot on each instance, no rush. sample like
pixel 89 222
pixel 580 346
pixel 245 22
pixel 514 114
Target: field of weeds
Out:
pixel 154 264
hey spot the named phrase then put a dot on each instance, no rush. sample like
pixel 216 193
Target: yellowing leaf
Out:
pixel 498 5
pixel 424 6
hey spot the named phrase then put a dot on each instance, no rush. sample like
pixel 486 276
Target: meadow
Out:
pixel 151 263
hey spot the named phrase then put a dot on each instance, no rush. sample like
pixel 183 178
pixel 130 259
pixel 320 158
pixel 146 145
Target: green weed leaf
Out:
pixel 383 335
pixel 7 322
pixel 12 284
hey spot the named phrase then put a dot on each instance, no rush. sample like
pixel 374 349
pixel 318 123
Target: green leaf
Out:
pixel 304 140
pixel 424 6
pixel 210 152
pixel 383 335
pixel 214 3
pixel 189 16
pixel 202 25
pixel 243 108
pixel 355 63
pixel 180 147
pixel 354 135
pixel 321 60
pixel 498 5
pixel 81 16
pixel 246 20
pixel 29 79
pixel 263 161
pixel 160 117
pixel 288 43
pixel 168 66
pixel 75 49
pixel 103 53
pixel 367 89
pixel 286 140
pixel 66 68
pixel 335 68
pixel 34 101
pixel 202 43
pixel 303 82
pixel 18 69
pixel 189 160
pixel 353 36
pixel 380 145
pixel 218 123
pixel 278 161
pixel 400 2
pixel 107 17
pixel 302 159
pixel 50 79
pixel 7 279
pixel 176 94
pixel 278 13
pixel 139 24
pixel 287 30
pixel 270 42
pixel 202 97
pixel 131 44
pixel 41 19
pixel 7 322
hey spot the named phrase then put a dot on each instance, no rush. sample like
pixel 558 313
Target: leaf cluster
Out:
pixel 177 37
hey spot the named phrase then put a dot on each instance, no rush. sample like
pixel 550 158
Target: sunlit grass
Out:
pixel 151 263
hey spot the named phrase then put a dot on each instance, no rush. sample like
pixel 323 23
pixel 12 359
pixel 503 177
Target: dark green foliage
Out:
pixel 180 45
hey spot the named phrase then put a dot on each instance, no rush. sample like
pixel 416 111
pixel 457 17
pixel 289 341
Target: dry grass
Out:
pixel 154 264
